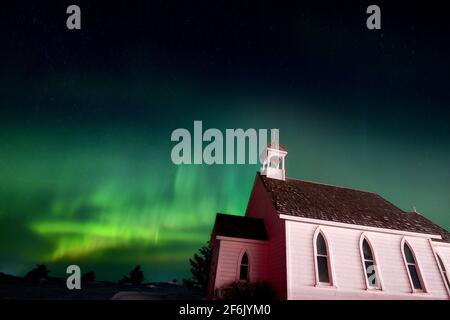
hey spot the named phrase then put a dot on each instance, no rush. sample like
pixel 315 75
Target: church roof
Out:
pixel 325 202
pixel 239 227
pixel 280 147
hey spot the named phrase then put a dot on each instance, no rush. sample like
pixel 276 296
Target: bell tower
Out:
pixel 273 161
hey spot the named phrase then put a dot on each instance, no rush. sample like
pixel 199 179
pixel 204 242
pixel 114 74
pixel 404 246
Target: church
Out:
pixel 311 240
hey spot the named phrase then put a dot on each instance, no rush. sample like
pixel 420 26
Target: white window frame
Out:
pixel 417 266
pixel 444 272
pixel 379 284
pixel 238 273
pixel 331 278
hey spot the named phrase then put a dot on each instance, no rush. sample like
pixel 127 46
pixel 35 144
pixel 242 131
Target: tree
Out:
pixel 200 267
pixel 89 276
pixel 135 277
pixel 39 272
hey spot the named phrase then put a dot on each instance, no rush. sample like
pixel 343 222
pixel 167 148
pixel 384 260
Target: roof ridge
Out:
pixel 333 185
pixel 327 184
pixel 346 188
pixel 351 189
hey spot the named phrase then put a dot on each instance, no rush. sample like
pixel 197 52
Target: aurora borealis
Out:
pixel 85 121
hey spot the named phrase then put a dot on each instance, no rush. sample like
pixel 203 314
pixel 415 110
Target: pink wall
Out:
pixel 260 206
pixel 443 249
pixel 347 266
pixel 230 252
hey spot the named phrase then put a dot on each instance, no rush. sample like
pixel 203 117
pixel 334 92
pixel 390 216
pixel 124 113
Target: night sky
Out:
pixel 86 117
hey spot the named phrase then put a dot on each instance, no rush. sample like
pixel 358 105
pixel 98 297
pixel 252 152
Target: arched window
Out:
pixel 412 267
pixel 444 271
pixel 369 265
pixel 323 265
pixel 243 268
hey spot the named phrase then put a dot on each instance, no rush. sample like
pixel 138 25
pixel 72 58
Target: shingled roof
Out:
pixel 325 202
pixel 239 227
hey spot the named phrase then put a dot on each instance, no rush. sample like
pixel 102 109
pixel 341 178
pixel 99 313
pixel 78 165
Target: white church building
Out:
pixel 316 241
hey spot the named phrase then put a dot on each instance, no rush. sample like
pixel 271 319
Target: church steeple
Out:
pixel 273 161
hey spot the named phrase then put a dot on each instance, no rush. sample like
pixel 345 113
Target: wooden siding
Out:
pixel 349 282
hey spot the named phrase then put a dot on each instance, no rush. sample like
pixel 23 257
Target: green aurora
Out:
pixel 86 119
pixel 105 195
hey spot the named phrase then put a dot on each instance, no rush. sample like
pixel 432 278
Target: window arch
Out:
pixel 244 268
pixel 413 268
pixel 322 259
pixel 444 272
pixel 369 265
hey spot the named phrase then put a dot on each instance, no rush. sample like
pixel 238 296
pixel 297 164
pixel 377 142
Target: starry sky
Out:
pixel 86 117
